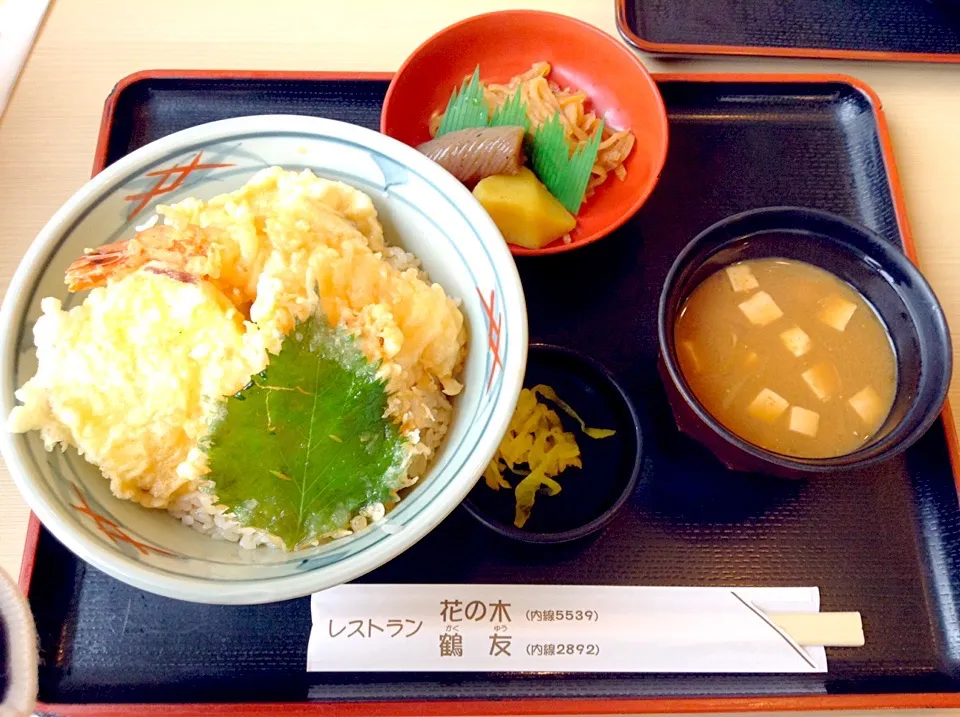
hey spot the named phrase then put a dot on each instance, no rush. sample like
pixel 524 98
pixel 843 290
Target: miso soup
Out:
pixel 788 357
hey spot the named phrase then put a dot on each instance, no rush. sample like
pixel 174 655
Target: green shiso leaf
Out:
pixel 305 445
pixel 466 108
pixel 565 175
pixel 512 113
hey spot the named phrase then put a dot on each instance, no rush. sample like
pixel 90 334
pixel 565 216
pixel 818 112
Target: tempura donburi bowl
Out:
pixel 423 210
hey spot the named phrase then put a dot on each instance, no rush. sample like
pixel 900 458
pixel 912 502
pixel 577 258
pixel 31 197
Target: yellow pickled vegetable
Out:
pixel 523 209
pixel 536 439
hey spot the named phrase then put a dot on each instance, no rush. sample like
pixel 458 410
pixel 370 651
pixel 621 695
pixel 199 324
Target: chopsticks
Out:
pixel 829 629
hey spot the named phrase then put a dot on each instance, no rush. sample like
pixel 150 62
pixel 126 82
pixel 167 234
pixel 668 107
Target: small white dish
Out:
pixel 18 652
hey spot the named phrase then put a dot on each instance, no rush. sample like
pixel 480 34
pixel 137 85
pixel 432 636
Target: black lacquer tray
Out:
pixel 885 542
pixel 894 30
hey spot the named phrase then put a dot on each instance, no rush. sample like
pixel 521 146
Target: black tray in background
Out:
pixel 884 542
pixel 911 30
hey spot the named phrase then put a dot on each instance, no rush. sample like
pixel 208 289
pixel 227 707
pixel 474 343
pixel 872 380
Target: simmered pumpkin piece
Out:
pixel 523 209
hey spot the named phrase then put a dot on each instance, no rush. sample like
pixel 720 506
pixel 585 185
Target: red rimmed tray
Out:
pixel 892 30
pixel 751 129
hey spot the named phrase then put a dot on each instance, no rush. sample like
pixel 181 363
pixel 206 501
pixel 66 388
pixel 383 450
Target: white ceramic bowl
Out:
pixel 423 209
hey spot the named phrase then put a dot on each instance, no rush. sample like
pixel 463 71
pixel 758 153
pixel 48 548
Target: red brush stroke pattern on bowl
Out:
pixel 160 188
pixel 494 330
pixel 111 529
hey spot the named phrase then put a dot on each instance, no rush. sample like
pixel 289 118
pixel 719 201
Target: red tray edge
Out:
pixel 554 706
pixel 817 53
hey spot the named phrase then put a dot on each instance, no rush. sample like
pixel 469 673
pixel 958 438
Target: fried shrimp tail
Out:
pixel 161 250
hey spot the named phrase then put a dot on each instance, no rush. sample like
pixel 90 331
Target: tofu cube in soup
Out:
pixel 836 311
pixel 823 379
pixel 768 406
pixel 804 421
pixel 760 309
pixel 742 278
pixel 796 341
pixel 869 406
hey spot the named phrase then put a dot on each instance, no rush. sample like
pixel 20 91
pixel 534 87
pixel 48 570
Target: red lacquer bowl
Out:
pixel 583 57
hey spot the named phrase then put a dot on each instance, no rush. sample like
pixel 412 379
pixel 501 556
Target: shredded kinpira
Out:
pixel 537 448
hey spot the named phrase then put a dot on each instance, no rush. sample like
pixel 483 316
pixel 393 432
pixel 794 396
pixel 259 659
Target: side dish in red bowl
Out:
pixel 556 126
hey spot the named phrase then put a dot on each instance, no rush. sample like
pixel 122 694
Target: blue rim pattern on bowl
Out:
pixel 218 161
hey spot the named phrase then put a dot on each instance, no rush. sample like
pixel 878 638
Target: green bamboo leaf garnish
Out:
pixel 565 175
pixel 467 108
pixel 512 113
pixel 305 445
